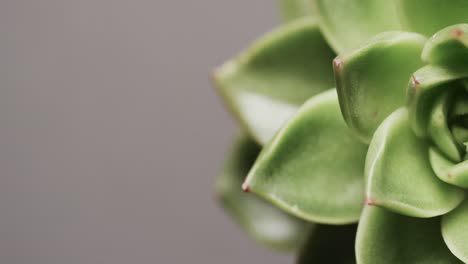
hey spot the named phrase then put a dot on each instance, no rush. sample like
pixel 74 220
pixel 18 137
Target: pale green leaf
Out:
pixel 372 81
pixel 384 237
pixel 294 9
pixel 429 16
pixel 447 170
pixel 260 220
pixel 313 168
pixel 455 231
pixel 399 175
pixel 266 84
pixel 346 24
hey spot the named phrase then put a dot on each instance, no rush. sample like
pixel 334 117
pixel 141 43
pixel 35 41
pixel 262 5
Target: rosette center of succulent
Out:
pixel 448 122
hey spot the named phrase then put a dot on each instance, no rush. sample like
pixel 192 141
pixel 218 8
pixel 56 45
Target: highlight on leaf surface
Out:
pixel 399 176
pixel 371 81
pixel 313 167
pixel 261 220
pixel 265 84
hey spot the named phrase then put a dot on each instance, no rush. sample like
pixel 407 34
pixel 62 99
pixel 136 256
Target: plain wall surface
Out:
pixel 111 135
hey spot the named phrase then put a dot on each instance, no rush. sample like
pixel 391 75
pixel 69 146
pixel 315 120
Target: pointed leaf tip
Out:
pixel 373 80
pixel 298 169
pixel 262 221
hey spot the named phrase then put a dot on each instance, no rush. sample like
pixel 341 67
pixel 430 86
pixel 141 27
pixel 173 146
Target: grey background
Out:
pixel 111 134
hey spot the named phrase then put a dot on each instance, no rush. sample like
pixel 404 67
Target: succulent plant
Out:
pixel 387 149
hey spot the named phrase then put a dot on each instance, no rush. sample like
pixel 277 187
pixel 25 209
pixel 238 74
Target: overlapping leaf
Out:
pixel 313 168
pixel 399 175
pixel 262 221
pixel 384 237
pixel 268 82
pixel 371 81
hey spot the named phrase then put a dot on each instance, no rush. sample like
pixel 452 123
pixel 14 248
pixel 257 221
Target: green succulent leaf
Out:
pixel 313 167
pixel 399 175
pixel 346 24
pixel 448 47
pixel 261 220
pixel 371 81
pixel 455 231
pixel 294 9
pixel 266 84
pixel 385 237
pixel 429 16
pixel 447 170
pixel 439 131
pixel 426 85
pixel 329 244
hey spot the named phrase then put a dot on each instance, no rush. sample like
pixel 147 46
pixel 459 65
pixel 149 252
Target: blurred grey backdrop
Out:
pixel 111 134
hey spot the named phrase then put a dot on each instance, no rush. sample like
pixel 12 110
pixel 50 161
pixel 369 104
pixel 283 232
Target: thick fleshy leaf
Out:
pixel 372 80
pixel 294 9
pixel 438 129
pixel 429 16
pixel 455 231
pixel 329 244
pixel 448 46
pixel 399 175
pixel 267 83
pixel 313 168
pixel 425 86
pixel 261 220
pixel 385 237
pixel 447 170
pixel 346 24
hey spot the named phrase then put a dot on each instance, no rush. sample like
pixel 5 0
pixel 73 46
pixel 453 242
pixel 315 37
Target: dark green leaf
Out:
pixel 329 244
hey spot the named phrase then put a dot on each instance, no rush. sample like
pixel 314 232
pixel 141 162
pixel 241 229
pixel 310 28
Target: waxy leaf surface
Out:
pixel 313 168
pixel 347 24
pixel 455 231
pixel 447 170
pixel 429 16
pixel 448 47
pixel 425 86
pixel 399 175
pixel 372 81
pixel 384 237
pixel 261 220
pixel 266 84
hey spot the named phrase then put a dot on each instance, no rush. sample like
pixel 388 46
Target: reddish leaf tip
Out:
pixel 245 187
pixel 337 63
pixel 369 202
pixel 414 82
pixel 458 33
